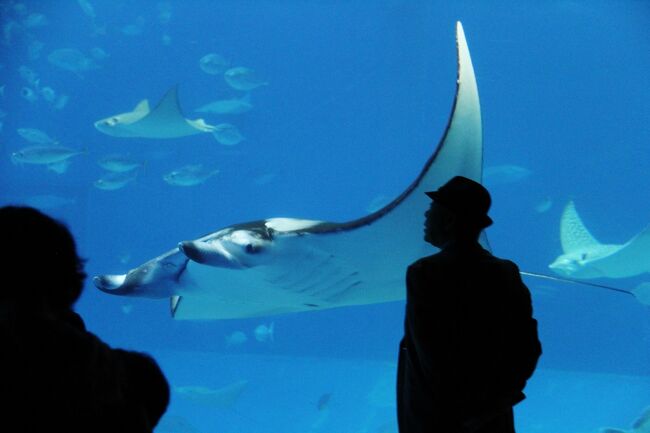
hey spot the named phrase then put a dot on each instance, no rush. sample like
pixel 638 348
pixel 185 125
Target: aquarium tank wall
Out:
pixel 327 111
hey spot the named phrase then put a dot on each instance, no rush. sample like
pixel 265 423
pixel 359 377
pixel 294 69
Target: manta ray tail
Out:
pixel 578 282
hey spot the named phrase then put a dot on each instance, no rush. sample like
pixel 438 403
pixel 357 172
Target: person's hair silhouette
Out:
pixel 39 251
pixel 56 375
pixel 470 340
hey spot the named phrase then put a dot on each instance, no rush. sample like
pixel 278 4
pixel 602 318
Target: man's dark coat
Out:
pixel 470 341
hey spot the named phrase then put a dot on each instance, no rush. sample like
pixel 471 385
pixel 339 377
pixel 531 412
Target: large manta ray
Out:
pixel 286 265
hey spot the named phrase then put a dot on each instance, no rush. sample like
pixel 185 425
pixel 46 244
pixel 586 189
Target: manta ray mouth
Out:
pixel 113 284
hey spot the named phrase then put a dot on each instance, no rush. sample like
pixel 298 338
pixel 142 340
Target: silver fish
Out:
pixel 227 134
pixel 119 163
pixel 114 181
pixel 213 64
pixel 34 135
pixel 48 94
pixel 71 59
pixel 87 8
pixel 28 94
pixel 242 78
pixel 189 175
pixel 56 158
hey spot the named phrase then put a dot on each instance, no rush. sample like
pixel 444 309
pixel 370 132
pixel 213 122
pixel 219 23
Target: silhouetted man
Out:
pixel 56 376
pixel 470 340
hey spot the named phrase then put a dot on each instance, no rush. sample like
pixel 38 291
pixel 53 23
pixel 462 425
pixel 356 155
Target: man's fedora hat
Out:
pixel 469 200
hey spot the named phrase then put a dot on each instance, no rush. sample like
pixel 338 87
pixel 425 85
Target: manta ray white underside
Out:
pixel 166 120
pixel 285 265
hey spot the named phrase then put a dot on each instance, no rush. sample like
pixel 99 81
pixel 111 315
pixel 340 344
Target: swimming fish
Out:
pixel 28 94
pixel 73 60
pixel 285 265
pixel 584 257
pixel 29 75
pixel 323 401
pixel 227 134
pixel 119 163
pixel 237 338
pixel 503 174
pixel 61 102
pixel 264 333
pixel 244 79
pixel 34 50
pixel 133 29
pixel 221 398
pixel 544 205
pixel 189 175
pixel 114 181
pixel 87 8
pixel 99 54
pixel 56 158
pixel 164 11
pixel 164 121
pixel 213 64
pixel 34 135
pixel 48 94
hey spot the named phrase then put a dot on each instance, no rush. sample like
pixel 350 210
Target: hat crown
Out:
pixel 466 198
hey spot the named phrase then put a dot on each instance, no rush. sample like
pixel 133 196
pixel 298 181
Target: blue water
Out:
pixel 358 95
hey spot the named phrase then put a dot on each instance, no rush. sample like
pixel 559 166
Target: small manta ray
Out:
pixel 165 121
pixel 584 257
pixel 289 265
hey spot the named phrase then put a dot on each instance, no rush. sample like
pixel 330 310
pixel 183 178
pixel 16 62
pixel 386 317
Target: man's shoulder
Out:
pixel 444 258
pixel 428 261
pixel 423 261
pixel 506 264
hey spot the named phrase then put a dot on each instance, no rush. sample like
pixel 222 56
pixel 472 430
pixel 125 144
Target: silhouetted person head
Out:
pixel 41 265
pixel 458 211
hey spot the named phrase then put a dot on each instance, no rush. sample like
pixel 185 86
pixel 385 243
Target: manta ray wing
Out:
pixel 630 259
pixel 585 257
pixel 574 236
pixel 286 265
pixel 166 120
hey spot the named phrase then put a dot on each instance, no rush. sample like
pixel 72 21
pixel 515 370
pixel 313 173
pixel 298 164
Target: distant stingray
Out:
pixel 165 121
pixel 221 398
pixel 584 257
